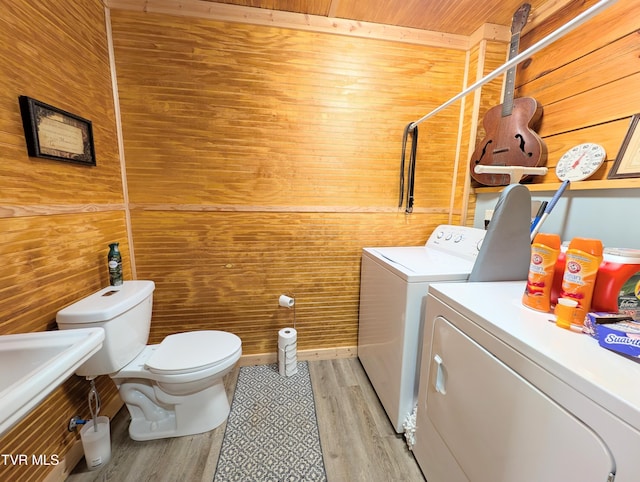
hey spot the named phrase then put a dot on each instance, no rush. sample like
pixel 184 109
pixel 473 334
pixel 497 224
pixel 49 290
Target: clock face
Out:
pixel 579 162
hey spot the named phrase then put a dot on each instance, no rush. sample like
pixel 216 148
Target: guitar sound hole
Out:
pixel 522 145
pixel 484 151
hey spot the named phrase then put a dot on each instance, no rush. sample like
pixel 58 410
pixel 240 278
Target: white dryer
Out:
pixel 394 282
pixel 505 395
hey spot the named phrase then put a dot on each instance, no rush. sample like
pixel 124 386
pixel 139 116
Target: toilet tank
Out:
pixel 124 312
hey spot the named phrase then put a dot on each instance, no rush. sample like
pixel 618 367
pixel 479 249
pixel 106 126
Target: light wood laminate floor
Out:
pixel 358 440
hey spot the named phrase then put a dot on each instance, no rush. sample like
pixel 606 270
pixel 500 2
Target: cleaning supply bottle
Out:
pixel 114 259
pixel 583 259
pixel 544 253
pixel 617 287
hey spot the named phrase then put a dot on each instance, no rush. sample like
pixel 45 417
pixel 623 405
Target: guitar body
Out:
pixel 510 140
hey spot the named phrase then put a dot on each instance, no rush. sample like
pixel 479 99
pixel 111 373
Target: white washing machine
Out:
pixel 394 282
pixel 506 395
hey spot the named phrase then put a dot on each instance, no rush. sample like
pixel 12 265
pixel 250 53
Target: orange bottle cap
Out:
pixel 587 245
pixel 551 240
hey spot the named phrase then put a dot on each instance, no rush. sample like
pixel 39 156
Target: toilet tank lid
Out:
pixel 194 350
pixel 107 303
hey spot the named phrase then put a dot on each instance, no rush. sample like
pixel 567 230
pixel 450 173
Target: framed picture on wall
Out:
pixel 52 133
pixel 627 164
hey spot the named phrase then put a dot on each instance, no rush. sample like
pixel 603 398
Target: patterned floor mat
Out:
pixel 272 430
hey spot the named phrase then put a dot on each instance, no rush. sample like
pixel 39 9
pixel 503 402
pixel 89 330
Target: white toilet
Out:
pixel 171 389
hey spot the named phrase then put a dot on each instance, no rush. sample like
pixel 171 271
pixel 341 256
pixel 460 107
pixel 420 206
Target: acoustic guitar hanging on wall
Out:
pixel 510 139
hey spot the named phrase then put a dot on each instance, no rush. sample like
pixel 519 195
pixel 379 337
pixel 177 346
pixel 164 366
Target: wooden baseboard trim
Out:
pixel 302 355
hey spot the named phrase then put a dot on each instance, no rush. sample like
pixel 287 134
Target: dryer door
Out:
pixel 498 426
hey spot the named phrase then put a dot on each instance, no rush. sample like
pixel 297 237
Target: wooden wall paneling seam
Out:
pixel 28 210
pixel 295 21
pixel 333 7
pixel 473 131
pixel 278 208
pixel 490 55
pixel 121 155
pixel 458 151
pixel 488 31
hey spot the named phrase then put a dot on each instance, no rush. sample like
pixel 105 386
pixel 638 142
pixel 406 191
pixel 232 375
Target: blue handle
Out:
pixel 556 196
pixel 550 206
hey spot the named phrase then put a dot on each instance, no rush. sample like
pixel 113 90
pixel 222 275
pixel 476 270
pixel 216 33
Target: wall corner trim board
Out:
pixel 313 23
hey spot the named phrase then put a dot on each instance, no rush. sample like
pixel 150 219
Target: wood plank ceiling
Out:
pixel 462 17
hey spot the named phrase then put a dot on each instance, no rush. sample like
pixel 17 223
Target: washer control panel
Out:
pixel 460 241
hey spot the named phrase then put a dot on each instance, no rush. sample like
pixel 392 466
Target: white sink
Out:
pixel 32 365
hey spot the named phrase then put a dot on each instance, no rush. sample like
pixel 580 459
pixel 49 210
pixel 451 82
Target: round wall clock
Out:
pixel 580 162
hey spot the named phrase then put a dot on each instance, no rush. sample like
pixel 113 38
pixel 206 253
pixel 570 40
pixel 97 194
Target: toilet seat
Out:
pixel 188 352
pixel 221 351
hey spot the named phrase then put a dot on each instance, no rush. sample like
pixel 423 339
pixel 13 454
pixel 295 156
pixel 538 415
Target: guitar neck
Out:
pixel 507 102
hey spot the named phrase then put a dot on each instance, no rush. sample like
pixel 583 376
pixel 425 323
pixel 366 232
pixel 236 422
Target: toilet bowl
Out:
pixel 171 389
pixel 176 388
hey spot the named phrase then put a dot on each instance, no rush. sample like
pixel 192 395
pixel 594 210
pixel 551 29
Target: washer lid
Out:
pixel 192 351
pixel 417 264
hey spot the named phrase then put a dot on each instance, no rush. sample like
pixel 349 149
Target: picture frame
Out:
pixel 52 133
pixel 627 163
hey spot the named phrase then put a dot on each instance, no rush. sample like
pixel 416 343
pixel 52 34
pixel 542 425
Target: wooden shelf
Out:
pixel 574 186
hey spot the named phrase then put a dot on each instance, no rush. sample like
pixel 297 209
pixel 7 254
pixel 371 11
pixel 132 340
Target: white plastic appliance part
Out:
pixel 394 281
pixel 506 395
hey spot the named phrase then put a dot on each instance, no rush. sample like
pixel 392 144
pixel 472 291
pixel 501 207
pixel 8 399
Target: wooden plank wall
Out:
pixel 587 84
pixel 56 218
pixel 260 161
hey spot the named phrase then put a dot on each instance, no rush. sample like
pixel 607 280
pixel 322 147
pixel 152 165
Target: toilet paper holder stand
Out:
pixel 287 359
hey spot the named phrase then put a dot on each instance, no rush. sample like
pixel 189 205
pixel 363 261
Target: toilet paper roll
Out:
pixel 286 302
pixel 287 336
pixel 287 352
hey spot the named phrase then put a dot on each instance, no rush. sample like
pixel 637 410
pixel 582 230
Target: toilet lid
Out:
pixel 191 351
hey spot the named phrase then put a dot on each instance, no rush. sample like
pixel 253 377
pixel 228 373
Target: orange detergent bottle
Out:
pixel 544 253
pixel 582 261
